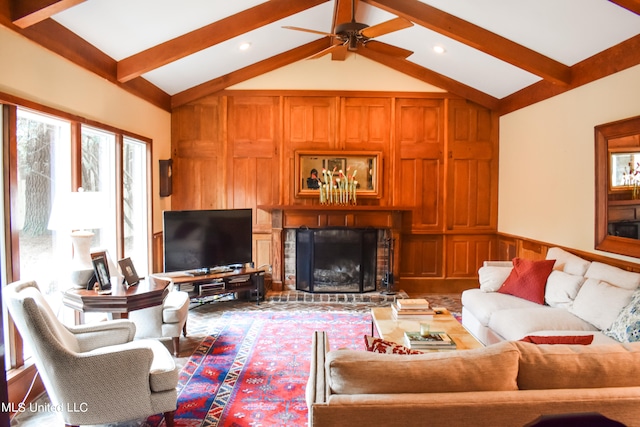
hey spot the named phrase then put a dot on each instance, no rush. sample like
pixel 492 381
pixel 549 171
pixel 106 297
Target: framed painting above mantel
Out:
pixel 316 168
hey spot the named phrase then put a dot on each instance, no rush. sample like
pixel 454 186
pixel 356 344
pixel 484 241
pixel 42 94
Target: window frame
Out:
pixel 9 106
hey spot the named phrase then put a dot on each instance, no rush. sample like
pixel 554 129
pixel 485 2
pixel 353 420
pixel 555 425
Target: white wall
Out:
pixel 547 173
pixel 34 73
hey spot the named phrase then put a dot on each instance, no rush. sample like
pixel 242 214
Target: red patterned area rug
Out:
pixel 253 368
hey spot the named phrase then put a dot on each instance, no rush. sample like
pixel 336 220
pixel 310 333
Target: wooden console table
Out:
pixel 240 280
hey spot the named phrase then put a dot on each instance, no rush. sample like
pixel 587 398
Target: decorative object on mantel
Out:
pixel 340 190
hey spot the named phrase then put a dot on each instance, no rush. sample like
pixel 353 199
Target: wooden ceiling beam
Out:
pixel 411 69
pixel 613 60
pixel 478 38
pixel 249 72
pixel 25 13
pixel 210 35
pixel 630 5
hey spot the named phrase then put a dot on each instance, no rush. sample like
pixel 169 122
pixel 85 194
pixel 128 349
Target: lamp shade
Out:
pixel 78 213
pixel 81 210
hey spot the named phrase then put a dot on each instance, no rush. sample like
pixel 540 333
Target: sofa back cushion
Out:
pixel 614 275
pixel 599 302
pixel 578 366
pixel 568 262
pixel 362 372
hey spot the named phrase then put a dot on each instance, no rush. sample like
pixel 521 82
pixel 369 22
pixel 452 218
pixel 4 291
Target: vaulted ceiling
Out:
pixel 502 54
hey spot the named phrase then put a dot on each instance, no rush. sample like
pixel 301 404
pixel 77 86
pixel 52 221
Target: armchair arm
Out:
pixel 103 334
pixel 318 385
pixel 106 378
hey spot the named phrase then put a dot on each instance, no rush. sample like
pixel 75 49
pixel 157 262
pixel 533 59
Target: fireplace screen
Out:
pixel 336 260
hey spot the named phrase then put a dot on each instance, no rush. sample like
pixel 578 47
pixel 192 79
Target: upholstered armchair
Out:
pixel 166 320
pixel 94 373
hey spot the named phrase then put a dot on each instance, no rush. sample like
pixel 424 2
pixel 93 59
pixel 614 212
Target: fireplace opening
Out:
pixel 336 260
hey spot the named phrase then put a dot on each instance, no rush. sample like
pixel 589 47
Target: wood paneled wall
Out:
pixel 439 162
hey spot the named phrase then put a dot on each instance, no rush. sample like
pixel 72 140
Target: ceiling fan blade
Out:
pixel 336 48
pixel 387 49
pixel 386 27
pixel 306 30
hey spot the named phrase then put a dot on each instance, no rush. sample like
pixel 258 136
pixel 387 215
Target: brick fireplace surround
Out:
pixel 286 219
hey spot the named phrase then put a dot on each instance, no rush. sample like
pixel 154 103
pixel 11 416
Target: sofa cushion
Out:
pixel 559 339
pixel 599 303
pixel 626 327
pixel 613 275
pixel 528 279
pixel 378 345
pixel 514 324
pixel 482 304
pixel 562 289
pixel 568 262
pixel 578 366
pixel 492 277
pixel 362 372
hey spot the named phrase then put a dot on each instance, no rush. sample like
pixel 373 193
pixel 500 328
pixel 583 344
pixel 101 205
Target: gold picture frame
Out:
pixel 309 167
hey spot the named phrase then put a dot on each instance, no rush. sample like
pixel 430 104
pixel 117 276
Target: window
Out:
pixel 56 154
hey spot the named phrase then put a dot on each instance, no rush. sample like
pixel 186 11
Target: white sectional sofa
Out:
pixel 580 298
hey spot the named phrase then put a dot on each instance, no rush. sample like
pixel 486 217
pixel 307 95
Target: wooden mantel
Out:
pixel 320 216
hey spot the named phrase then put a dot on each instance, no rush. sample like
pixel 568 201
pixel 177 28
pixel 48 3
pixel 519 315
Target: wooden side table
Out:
pixel 148 293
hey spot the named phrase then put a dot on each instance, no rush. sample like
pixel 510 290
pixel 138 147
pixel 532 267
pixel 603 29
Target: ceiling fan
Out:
pixel 349 36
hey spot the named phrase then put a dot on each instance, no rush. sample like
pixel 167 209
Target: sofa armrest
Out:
pixel 318 386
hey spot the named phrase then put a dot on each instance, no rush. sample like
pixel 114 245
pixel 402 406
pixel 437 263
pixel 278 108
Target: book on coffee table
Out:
pixel 412 304
pixel 408 312
pixel 431 341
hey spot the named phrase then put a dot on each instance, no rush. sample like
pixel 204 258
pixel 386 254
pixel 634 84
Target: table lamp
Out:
pixel 79 213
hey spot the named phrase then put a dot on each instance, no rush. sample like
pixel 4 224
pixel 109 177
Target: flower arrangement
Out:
pixel 632 179
pixel 338 188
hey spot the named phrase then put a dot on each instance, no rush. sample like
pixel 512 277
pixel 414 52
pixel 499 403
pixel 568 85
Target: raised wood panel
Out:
pixel 472 168
pixel 365 124
pixel 310 122
pixel 253 135
pixel 199 185
pixel 262 249
pixel 198 153
pixel 420 167
pixel 466 253
pixel 421 256
pixel 471 205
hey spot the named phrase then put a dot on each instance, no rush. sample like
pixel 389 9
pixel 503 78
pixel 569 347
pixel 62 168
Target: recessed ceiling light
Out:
pixel 244 46
pixel 439 49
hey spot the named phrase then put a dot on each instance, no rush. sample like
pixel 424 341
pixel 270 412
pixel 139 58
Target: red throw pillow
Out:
pixel 528 279
pixel 560 339
pixel 378 345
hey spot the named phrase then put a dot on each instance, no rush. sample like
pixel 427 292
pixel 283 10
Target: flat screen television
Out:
pixel 199 240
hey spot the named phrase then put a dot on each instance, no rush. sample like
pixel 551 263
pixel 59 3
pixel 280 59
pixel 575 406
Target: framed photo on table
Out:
pixel 129 272
pixel 101 270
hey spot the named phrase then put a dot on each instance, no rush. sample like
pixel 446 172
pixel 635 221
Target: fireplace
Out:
pixel 336 260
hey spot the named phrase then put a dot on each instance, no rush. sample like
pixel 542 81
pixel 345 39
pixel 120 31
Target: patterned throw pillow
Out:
pixel 378 345
pixel 528 279
pixel 626 327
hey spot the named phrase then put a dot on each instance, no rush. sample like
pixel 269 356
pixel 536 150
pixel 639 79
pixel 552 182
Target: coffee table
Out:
pixel 392 329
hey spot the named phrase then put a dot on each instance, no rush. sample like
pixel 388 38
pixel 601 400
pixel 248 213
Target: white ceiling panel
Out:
pixel 121 28
pixel 568 31
pixel 226 57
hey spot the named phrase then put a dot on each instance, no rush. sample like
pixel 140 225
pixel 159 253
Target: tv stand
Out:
pixel 249 281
